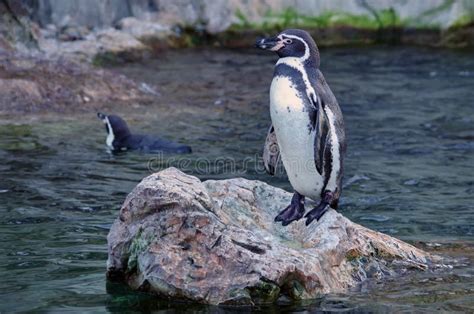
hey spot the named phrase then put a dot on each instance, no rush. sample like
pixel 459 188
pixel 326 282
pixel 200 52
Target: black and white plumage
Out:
pixel 307 130
pixel 119 138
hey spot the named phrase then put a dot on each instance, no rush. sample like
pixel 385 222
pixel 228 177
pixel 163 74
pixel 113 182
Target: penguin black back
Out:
pixel 119 138
pixel 119 126
pixel 116 125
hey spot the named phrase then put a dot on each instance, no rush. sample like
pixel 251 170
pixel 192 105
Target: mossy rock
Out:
pixel 264 292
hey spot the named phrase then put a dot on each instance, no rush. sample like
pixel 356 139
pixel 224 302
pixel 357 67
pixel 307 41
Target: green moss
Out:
pixel 189 37
pixel 105 59
pixel 463 20
pixel 323 20
pixel 109 58
pixel 389 18
pixel 288 17
pixel 291 18
pixel 264 292
pixel 243 21
pixel 140 244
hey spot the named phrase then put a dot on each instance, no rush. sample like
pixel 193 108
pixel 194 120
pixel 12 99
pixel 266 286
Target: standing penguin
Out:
pixel 307 129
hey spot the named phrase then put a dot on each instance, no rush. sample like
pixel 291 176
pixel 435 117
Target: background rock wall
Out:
pixel 217 15
pixel 15 26
pixel 101 31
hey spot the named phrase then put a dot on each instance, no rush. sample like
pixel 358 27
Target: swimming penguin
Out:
pixel 119 138
pixel 307 130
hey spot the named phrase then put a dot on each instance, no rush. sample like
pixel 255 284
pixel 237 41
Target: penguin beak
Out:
pixel 271 43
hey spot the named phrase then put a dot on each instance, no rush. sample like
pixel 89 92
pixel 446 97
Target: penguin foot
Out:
pixel 293 212
pixel 316 213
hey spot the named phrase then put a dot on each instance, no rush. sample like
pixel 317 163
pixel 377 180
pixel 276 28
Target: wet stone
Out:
pixel 215 242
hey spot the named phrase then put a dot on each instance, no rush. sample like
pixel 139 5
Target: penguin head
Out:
pixel 291 43
pixel 115 126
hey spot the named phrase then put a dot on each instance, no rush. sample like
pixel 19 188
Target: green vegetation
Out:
pixel 264 292
pixel 140 244
pixel 375 26
pixel 373 20
pixel 104 59
pixel 291 18
pixel 464 20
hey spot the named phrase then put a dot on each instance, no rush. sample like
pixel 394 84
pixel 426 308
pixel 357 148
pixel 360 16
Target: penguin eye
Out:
pixel 287 41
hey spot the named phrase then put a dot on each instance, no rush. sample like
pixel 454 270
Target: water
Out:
pixel 409 172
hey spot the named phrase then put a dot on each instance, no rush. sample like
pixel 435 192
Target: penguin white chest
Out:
pixel 291 123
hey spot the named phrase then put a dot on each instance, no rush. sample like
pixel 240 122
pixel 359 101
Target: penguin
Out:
pixel 307 131
pixel 119 138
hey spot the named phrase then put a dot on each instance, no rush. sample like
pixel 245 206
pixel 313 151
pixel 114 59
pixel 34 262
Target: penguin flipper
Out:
pixel 321 127
pixel 321 140
pixel 271 152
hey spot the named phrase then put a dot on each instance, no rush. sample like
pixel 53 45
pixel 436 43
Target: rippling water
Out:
pixel 409 171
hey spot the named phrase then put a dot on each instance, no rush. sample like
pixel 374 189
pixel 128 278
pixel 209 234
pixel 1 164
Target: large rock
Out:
pixel 105 45
pixel 127 30
pixel 120 45
pixel 144 30
pixel 215 242
pixel 90 13
pixel 217 15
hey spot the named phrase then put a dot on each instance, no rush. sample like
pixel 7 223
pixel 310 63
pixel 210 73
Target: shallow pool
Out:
pixel 409 116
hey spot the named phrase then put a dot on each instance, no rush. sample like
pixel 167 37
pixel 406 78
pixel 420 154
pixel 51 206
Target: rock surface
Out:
pixel 31 85
pixel 215 242
pixel 217 16
pixel 16 29
pixel 81 29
